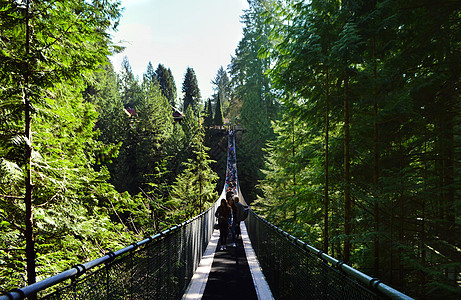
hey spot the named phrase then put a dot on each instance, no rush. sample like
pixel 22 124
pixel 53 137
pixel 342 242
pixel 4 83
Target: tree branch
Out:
pixel 11 197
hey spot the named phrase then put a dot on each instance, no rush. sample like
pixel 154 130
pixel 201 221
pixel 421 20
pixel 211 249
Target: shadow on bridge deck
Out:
pixel 229 274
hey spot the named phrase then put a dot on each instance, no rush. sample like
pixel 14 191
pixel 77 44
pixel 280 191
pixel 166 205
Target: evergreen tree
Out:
pixel 150 75
pixel 175 152
pixel 172 88
pixel 112 121
pixel 129 86
pixel 208 116
pixel 218 117
pixel 48 53
pixel 194 190
pixel 252 88
pixel 221 86
pixel 353 84
pixel 191 91
pixel 151 123
pixel 167 84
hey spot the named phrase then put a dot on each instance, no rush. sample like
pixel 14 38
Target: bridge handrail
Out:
pixel 373 283
pixel 80 269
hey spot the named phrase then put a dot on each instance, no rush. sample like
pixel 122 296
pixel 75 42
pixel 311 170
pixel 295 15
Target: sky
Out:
pixel 201 34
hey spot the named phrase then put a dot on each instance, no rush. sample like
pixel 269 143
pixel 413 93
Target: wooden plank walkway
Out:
pixel 229 274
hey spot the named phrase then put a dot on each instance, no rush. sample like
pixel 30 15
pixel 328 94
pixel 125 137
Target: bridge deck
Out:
pixel 230 274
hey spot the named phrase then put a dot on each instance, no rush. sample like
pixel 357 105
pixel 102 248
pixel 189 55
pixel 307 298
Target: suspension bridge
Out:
pixel 184 262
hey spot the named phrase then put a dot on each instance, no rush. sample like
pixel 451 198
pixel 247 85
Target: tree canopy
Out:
pixel 87 156
pixel 368 136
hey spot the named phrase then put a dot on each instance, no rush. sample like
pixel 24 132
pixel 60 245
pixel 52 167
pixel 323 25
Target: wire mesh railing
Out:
pixel 162 266
pixel 159 267
pixel 296 270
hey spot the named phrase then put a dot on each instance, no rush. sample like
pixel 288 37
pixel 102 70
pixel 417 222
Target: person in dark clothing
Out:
pixel 224 215
pixel 229 195
pixel 240 214
pixel 234 220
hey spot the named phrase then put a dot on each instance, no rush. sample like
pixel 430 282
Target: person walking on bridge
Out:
pixel 224 215
pixel 241 213
pixel 234 219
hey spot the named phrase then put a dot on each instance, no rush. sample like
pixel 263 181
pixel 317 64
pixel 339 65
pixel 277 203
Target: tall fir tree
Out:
pixel 252 88
pixel 194 189
pixel 48 53
pixel 350 72
pixel 208 115
pixel 128 85
pixel 150 75
pixel 167 84
pixel 222 86
pixel 191 91
pixel 218 115
pixel 151 123
pixel 172 88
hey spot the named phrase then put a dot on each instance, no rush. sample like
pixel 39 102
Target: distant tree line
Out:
pixel 155 154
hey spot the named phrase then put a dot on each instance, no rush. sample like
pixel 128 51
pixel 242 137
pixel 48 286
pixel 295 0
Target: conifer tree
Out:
pixel 150 75
pixel 208 116
pixel 151 123
pixel 356 66
pixel 221 86
pixel 129 86
pixel 191 91
pixel 167 84
pixel 112 122
pixel 175 152
pixel 218 116
pixel 194 189
pixel 48 51
pixel 172 88
pixel 252 88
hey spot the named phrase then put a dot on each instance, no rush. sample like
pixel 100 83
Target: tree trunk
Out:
pixel 400 207
pixel 326 202
pixel 347 176
pixel 447 154
pixel 29 232
pixel 375 167
pixel 293 148
pixel 423 225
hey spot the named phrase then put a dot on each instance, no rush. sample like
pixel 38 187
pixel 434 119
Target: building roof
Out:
pixel 177 114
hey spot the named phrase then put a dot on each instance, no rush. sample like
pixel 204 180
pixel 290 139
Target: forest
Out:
pixel 351 136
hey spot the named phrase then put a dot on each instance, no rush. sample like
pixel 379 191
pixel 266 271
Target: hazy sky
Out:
pixel 201 34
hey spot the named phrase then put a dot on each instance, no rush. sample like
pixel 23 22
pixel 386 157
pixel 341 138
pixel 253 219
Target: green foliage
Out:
pixel 222 88
pixel 191 91
pixel 218 116
pixel 141 135
pixel 71 127
pixel 397 62
pixel 194 189
pixel 150 75
pixel 73 202
pixel 252 88
pixel 48 47
pixel 129 86
pixel 167 86
pixel 208 115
